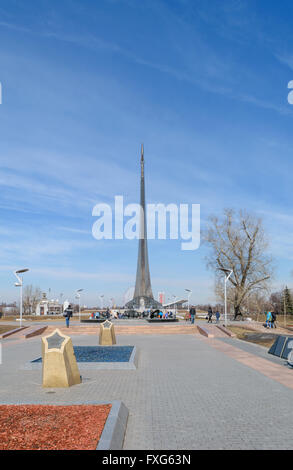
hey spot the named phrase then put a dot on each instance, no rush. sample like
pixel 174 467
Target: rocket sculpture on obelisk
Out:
pixel 143 295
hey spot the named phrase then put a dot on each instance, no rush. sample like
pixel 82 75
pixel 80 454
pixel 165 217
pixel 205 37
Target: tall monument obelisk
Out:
pixel 143 295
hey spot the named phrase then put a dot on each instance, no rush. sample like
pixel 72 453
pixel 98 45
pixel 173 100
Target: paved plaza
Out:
pixel 188 392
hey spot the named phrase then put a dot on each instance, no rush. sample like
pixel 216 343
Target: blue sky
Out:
pixel 202 84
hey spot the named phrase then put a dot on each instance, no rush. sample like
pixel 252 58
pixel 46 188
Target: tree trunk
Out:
pixel 237 311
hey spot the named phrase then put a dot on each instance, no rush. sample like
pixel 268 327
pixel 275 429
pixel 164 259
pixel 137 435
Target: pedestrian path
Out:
pixel 280 373
pixel 187 392
pixel 142 329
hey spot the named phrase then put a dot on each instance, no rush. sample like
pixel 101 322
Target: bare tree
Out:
pixel 238 242
pixel 277 301
pixel 258 302
pixel 31 297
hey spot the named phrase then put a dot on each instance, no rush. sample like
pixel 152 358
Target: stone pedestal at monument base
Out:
pixel 59 362
pixel 107 334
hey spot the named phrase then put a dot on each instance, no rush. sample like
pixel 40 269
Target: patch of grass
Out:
pixel 5 328
pixel 263 339
pixel 281 319
pixel 37 318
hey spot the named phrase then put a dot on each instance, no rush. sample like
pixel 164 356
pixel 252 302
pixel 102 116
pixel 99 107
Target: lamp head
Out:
pixel 225 270
pixel 20 271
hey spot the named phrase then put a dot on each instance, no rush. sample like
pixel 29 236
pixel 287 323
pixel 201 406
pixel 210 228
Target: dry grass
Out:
pixel 263 339
pixel 37 318
pixel 281 319
pixel 5 328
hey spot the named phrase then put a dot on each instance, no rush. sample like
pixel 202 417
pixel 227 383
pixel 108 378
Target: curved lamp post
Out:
pixel 78 297
pixel 20 284
pixel 102 301
pixel 228 273
pixel 175 298
pixel 188 297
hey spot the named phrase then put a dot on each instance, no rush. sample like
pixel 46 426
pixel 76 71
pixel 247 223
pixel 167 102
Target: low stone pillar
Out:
pixel 59 362
pixel 107 334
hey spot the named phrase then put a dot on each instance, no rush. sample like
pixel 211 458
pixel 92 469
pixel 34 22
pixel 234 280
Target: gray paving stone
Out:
pixel 183 395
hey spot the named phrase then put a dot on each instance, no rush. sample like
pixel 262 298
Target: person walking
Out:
pixel 68 314
pixel 210 315
pixel 217 316
pixel 192 312
pixel 269 320
pixel 274 319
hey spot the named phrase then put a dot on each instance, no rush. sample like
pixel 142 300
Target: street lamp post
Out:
pixel 175 298
pixel 188 297
pixel 285 309
pixel 61 304
pixel 20 284
pixel 228 273
pixel 78 297
pixel 102 301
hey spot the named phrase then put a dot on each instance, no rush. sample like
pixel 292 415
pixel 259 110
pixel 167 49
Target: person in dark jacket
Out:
pixel 68 314
pixel 210 315
pixel 192 312
pixel 273 321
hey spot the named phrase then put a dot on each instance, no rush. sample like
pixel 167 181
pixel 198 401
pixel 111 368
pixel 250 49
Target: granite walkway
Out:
pixel 188 392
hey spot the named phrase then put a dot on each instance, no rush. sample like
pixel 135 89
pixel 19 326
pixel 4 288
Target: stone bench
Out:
pixel 34 331
pixel 162 320
pixel 12 332
pixel 94 320
pixel 204 331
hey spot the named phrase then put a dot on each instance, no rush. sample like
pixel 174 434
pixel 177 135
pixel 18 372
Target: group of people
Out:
pixel 98 315
pixel 209 317
pixel 271 318
pixel 160 314
pixel 68 313
pixel 270 322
